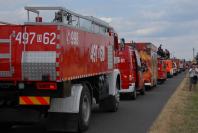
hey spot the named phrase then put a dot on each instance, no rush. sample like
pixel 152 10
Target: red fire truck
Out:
pixel 56 69
pixel 128 62
pixel 162 74
pixel 182 65
pixel 148 55
pixel 169 68
pixel 176 62
pixel 175 67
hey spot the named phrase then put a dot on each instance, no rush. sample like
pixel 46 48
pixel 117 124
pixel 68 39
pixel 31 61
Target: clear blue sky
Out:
pixel 173 23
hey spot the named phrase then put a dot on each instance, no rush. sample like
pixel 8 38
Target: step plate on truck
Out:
pixel 34 100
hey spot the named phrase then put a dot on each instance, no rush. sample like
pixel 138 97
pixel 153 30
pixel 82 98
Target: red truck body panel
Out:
pixel 162 74
pixel 17 45
pixel 60 52
pixel 169 68
pixel 126 66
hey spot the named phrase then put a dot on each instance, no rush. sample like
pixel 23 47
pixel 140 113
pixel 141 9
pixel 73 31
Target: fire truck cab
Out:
pixel 162 73
pixel 169 68
pixel 56 68
pixel 131 71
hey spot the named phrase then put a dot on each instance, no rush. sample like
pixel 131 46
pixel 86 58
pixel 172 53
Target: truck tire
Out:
pixel 85 109
pixel 147 88
pixel 72 122
pixel 133 95
pixel 111 103
pixel 142 92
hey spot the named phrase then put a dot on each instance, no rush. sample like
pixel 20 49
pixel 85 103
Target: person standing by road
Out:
pixel 193 71
pixel 196 69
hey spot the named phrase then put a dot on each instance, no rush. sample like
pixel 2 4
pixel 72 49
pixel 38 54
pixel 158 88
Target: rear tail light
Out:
pixel 131 78
pixel 125 76
pixel 46 86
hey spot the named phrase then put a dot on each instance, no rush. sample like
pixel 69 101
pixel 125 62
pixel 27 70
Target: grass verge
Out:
pixel 180 114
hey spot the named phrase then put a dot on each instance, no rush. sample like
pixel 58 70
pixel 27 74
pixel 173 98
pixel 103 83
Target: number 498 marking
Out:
pixel 29 38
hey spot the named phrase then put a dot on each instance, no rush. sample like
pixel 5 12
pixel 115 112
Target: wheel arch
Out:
pixel 113 78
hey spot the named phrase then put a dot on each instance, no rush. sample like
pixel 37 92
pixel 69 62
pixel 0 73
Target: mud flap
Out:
pixel 112 77
pixel 67 104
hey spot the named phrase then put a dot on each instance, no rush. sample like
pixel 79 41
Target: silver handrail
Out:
pixel 6 23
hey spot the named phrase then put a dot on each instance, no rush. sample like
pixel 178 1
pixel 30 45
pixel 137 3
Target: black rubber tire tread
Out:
pixel 142 92
pixel 82 125
pixel 133 95
pixel 110 104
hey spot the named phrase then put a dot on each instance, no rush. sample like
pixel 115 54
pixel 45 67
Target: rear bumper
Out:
pixel 162 78
pixel 147 84
pixel 129 90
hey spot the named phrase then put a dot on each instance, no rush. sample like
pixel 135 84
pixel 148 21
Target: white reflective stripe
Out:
pixel 3 56
pixel 7 41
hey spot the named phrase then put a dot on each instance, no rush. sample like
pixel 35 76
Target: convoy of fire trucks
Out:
pixel 56 69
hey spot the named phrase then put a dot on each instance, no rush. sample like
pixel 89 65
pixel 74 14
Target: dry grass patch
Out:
pixel 173 116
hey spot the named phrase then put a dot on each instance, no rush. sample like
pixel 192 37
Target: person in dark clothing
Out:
pixel 167 54
pixel 160 51
pixel 193 71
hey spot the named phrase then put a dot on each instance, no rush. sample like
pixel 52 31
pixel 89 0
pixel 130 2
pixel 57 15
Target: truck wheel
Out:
pixel 147 88
pixel 142 92
pixel 72 122
pixel 112 102
pixel 85 109
pixel 115 101
pixel 134 94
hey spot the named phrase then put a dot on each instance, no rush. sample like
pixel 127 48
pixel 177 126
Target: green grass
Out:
pixel 189 122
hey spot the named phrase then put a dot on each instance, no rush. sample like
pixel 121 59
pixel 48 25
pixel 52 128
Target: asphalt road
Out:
pixel 132 117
